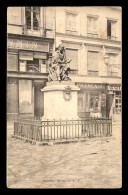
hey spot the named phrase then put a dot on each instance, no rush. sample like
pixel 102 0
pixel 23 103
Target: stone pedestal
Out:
pixel 56 103
pixel 59 108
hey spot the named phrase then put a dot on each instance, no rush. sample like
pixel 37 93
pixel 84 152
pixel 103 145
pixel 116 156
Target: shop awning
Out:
pixel 40 55
pixel 25 55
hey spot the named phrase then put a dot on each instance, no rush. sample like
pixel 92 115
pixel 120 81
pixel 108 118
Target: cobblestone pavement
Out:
pixel 95 163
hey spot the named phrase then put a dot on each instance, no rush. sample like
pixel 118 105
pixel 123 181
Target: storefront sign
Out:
pixel 91 86
pixel 28 45
pixel 114 87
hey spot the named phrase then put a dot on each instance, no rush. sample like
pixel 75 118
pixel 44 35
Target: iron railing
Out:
pixel 63 129
pixel 30 30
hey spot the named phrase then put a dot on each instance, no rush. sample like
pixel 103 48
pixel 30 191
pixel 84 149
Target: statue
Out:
pixel 58 68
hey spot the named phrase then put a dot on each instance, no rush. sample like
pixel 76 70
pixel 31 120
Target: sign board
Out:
pixel 114 87
pixel 90 86
pixel 28 44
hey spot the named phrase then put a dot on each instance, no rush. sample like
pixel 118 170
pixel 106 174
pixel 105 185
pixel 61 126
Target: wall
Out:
pixel 101 12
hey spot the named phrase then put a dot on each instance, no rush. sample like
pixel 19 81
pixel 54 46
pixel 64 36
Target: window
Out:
pixel 93 62
pixel 92 26
pixel 117 108
pixel 111 29
pixel 25 96
pixel 94 103
pixel 73 54
pixel 71 23
pixel 32 61
pixel 113 66
pixel 32 16
pixel 33 66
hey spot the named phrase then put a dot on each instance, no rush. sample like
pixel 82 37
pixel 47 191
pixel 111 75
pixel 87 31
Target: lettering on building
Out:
pixel 91 86
pixel 25 44
pixel 114 87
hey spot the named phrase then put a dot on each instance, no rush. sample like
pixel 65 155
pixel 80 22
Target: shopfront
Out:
pixel 114 101
pixel 100 100
pixel 91 100
pixel 27 61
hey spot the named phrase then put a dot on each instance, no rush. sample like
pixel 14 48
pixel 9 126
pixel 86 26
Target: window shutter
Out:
pixel 93 61
pixel 49 18
pixel 73 22
pixel 94 25
pixel 90 24
pixel 40 55
pixel 24 55
pixel 12 97
pixel 113 29
pixel 72 54
pixel 12 62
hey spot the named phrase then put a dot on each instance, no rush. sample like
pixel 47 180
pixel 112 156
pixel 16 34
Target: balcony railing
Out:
pixel 112 38
pixel 33 30
pixel 94 35
pixel 29 30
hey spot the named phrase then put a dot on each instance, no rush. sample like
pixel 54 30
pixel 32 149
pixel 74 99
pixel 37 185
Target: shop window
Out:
pixel 12 62
pixel 93 62
pixel 94 103
pixel 117 108
pixel 73 54
pixel 92 26
pixel 111 29
pixel 33 66
pixel 71 23
pixel 80 102
pixel 25 96
pixel 32 16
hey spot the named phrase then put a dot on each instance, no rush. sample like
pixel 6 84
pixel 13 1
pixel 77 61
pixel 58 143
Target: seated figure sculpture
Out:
pixel 58 68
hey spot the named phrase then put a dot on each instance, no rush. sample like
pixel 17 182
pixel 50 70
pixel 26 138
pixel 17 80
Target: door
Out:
pixel 38 101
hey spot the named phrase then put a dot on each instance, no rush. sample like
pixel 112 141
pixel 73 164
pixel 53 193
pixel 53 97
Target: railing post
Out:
pixel 40 131
pixel 57 130
pixel 78 128
pixel 66 129
pixel 60 128
pixel 54 129
pixel 111 126
pixel 47 130
pixel 103 127
pixel 72 127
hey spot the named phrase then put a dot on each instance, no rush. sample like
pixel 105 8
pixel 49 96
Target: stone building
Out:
pixel 92 38
pixel 30 39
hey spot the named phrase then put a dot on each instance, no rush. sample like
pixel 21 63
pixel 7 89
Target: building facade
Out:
pixel 30 42
pixel 92 38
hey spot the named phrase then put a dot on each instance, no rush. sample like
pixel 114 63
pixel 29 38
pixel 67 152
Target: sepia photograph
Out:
pixel 64 97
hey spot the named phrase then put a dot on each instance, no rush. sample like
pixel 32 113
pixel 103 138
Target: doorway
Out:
pixel 38 100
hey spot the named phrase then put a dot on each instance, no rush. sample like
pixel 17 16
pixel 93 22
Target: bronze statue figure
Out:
pixel 59 67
